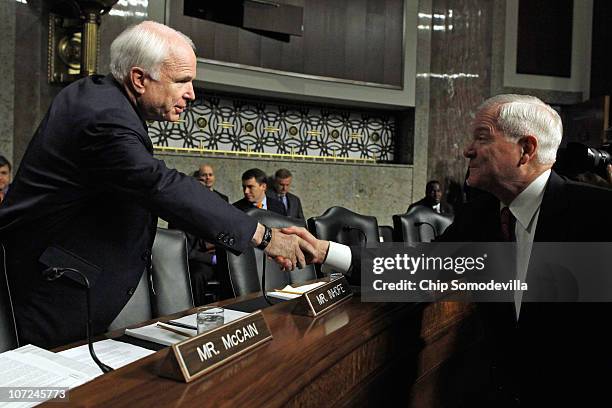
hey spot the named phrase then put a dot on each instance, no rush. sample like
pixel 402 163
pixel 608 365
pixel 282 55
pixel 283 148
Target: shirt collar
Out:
pixel 264 203
pixel 527 203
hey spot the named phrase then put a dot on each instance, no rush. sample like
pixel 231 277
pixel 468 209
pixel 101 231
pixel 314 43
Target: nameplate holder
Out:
pixel 322 299
pixel 194 357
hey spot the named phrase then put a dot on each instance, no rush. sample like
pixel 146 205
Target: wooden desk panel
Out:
pixel 342 358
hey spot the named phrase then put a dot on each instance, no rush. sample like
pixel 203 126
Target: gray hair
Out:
pixel 145 45
pixel 522 115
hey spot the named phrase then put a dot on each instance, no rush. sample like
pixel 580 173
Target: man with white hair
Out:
pixel 88 193
pixel 549 353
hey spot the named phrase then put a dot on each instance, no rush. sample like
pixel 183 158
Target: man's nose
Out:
pixel 189 93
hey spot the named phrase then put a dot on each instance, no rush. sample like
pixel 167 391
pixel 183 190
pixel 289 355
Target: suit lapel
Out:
pixel 550 227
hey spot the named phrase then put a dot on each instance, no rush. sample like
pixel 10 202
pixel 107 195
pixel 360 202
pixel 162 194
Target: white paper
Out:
pixel 298 290
pixel 112 353
pixel 31 366
pixel 283 295
pixel 157 335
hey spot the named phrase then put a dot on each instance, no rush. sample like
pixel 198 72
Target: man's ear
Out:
pixel 137 80
pixel 529 146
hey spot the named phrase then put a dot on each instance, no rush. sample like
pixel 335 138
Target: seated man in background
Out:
pixel 433 199
pixel 202 254
pixel 254 186
pixel 206 176
pixel 282 185
pixel 5 176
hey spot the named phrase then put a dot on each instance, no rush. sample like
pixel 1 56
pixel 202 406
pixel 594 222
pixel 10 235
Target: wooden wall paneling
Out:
pixel 226 43
pixel 292 55
pixel 355 54
pixel 270 52
pixel 348 39
pixel 393 59
pixel 375 37
pixel 249 48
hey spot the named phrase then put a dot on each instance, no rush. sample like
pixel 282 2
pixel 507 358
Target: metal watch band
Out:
pixel 267 237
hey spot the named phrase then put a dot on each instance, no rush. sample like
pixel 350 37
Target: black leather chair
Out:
pixel 8 329
pixel 386 233
pixel 166 288
pixel 420 224
pixel 245 270
pixel 138 308
pixel 170 281
pixel 344 226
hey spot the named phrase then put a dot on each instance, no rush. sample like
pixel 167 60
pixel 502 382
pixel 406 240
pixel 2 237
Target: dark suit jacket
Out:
pixel 87 196
pixel 556 351
pixel 294 205
pixel 272 204
pixel 444 208
pixel 223 196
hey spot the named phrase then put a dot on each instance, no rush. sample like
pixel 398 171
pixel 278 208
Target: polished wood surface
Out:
pixel 352 40
pixel 358 354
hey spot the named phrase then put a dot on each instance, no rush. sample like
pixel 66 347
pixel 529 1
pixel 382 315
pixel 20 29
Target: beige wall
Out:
pixel 378 190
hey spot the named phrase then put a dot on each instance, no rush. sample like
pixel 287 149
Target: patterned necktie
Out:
pixel 507 225
pixel 260 204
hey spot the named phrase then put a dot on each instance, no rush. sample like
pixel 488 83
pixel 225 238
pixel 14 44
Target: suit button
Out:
pixel 231 242
pixel 131 291
pixel 146 255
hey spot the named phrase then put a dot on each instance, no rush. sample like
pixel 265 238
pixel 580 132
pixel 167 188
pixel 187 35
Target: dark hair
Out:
pixel 259 175
pixel 431 183
pixel 5 162
pixel 282 174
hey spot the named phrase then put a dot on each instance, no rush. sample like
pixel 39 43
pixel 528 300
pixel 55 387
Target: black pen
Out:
pixel 179 324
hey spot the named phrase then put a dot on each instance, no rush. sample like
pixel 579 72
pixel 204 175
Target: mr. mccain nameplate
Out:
pixel 198 355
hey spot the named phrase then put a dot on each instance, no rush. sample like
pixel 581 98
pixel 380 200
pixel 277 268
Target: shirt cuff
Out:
pixel 338 258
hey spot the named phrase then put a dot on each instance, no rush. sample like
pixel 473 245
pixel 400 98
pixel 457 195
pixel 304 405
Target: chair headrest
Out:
pixel 338 224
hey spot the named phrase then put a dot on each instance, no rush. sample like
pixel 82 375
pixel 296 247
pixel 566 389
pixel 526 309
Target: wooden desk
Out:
pixel 355 354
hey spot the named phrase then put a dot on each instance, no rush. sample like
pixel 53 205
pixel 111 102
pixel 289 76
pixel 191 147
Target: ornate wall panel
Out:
pixel 224 124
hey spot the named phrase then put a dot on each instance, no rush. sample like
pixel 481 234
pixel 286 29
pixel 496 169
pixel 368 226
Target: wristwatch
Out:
pixel 267 237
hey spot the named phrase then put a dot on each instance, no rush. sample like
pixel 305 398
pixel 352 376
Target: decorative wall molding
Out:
pixel 220 124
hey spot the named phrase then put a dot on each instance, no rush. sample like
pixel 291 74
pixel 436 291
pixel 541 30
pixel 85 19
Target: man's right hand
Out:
pixel 318 253
pixel 287 250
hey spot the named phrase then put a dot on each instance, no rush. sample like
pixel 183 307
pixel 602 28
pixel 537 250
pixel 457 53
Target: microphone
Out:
pixel 349 228
pixel 418 224
pixel 54 273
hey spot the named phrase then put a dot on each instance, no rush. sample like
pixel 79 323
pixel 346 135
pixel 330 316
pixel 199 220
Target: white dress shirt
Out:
pixel 526 209
pixel 264 203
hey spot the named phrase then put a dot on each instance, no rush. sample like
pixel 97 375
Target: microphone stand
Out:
pixel 418 224
pixel 54 273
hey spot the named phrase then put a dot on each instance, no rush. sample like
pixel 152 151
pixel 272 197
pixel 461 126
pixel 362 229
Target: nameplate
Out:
pixel 325 297
pixel 198 355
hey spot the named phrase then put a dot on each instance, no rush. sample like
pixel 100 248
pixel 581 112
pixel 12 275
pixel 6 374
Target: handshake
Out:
pixel 293 246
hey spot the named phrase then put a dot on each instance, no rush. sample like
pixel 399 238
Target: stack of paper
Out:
pixel 31 366
pixel 159 335
pixel 290 292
